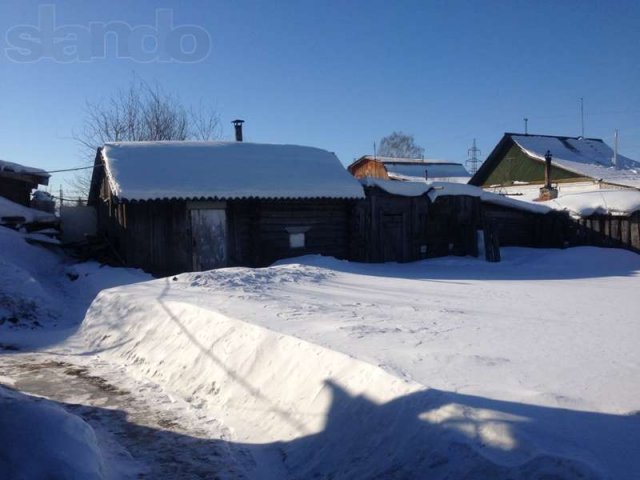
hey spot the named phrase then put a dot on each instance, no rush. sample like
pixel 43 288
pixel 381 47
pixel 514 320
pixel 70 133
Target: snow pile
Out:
pixel 589 157
pixel 453 367
pixel 40 287
pixel 30 215
pixel 42 440
pixel 225 170
pixel 25 300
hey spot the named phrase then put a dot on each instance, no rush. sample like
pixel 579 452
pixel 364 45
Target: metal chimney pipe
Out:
pixel 237 124
pixel 547 169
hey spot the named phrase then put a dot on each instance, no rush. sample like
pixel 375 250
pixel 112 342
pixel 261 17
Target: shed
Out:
pixel 17 181
pixel 169 207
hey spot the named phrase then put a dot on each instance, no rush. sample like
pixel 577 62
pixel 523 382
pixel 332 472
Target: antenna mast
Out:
pixel 582 116
pixel 615 149
pixel 473 160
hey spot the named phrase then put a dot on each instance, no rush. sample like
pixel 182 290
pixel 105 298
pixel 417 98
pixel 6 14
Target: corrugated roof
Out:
pixel 585 156
pixel 225 170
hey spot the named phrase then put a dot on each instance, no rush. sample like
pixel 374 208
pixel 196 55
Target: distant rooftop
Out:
pixel 590 157
pixel 418 169
pixel 585 157
pixel 406 160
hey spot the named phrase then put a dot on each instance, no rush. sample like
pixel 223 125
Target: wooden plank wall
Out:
pixel 526 229
pixel 388 227
pixel 370 168
pixel 452 226
pixel 153 236
pixel 258 232
pixel 16 190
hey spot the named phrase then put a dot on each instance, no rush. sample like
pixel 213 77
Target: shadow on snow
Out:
pixel 400 439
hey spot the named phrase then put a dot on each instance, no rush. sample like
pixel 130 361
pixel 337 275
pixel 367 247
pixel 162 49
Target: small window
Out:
pixel 297 236
pixel 296 240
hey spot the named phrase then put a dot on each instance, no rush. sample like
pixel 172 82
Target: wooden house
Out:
pixel 408 169
pixel 517 163
pixel 17 181
pixel 170 207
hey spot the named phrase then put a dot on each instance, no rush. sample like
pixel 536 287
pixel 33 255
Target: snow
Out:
pixel 320 368
pixel 42 440
pixel 443 189
pixel 453 366
pixel 582 201
pixel 6 166
pixel 225 170
pixel 589 157
pixel 413 169
pixel 12 209
pixel 434 170
pixel 404 189
pixel 607 202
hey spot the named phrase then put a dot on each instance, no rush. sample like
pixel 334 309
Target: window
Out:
pixel 297 236
pixel 296 240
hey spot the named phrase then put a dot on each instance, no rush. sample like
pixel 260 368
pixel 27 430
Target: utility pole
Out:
pixel 473 161
pixel 526 121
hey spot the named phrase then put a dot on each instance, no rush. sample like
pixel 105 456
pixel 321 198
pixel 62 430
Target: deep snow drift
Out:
pixel 449 368
pixel 42 440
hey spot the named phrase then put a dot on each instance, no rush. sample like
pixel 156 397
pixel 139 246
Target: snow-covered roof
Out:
pixel 585 156
pixel 225 170
pixel 413 171
pixel 442 189
pixel 417 169
pixel 404 189
pixel 404 160
pixel 6 166
pixel 12 209
pixel 445 189
pixel 607 202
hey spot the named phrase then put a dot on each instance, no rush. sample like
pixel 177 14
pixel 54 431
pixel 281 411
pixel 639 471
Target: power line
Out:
pixel 71 169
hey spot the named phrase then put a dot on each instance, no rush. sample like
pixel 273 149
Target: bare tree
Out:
pixel 138 113
pixel 400 145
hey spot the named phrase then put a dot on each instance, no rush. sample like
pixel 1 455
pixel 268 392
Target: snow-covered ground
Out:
pixel 318 368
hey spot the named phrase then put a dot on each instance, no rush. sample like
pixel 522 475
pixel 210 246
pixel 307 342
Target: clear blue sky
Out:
pixel 342 74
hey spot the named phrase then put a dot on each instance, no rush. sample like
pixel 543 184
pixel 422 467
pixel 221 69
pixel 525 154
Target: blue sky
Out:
pixel 341 75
